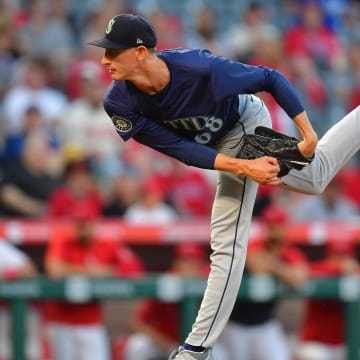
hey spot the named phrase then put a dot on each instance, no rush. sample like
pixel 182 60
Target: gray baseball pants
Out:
pixel 233 207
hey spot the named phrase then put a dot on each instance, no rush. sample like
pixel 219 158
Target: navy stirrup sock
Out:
pixel 193 348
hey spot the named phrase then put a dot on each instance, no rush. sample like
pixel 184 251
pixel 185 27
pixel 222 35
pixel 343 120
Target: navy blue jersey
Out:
pixel 197 107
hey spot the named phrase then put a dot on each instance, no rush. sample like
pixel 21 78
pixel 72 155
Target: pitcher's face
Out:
pixel 121 63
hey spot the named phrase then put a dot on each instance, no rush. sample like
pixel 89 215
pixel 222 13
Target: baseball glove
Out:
pixel 269 142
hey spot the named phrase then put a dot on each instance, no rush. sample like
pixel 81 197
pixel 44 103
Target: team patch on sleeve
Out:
pixel 122 125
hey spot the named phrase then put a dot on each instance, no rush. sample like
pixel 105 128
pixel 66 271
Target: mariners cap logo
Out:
pixel 125 31
pixel 121 124
pixel 109 26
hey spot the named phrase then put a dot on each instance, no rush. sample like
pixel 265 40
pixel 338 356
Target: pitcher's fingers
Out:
pixel 274 181
pixel 272 160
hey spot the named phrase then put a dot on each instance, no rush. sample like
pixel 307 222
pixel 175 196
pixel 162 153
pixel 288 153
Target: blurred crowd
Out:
pixel 57 144
pixel 60 158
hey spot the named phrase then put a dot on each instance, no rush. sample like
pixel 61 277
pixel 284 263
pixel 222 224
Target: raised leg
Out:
pixel 334 150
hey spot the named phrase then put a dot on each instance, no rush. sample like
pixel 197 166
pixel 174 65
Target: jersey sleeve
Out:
pixel 164 140
pixel 129 124
pixel 230 78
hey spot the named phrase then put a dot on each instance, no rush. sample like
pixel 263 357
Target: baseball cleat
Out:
pixel 182 354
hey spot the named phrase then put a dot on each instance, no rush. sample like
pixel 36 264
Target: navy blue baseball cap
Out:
pixel 126 31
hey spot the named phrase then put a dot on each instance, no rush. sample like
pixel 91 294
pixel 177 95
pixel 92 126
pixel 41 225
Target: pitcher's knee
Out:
pixel 317 189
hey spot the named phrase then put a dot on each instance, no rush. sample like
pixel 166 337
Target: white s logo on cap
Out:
pixel 109 26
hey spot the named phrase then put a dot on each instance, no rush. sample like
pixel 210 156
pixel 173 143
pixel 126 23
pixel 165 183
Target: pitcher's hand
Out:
pixel 263 170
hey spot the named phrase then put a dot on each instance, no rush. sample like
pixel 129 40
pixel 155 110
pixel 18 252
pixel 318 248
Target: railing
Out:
pixel 35 232
pixel 171 288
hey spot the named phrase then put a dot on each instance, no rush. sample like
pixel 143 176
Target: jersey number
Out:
pixel 212 125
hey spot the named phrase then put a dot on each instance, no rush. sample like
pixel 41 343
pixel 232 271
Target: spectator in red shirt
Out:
pixel 77 331
pixel 78 196
pixel 312 38
pixel 187 189
pixel 322 333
